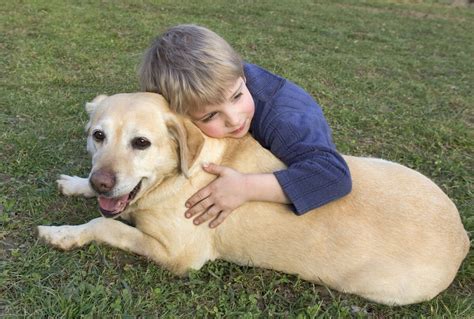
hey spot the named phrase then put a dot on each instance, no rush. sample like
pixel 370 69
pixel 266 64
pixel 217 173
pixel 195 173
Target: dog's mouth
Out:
pixel 112 207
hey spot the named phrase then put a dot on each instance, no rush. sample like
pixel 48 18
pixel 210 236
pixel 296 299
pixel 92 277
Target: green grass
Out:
pixel 395 80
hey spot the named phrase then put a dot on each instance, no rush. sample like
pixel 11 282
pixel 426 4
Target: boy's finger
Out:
pixel 219 219
pixel 213 168
pixel 209 214
pixel 199 208
pixel 198 197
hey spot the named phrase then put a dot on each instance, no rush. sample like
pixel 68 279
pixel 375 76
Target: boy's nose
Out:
pixel 232 120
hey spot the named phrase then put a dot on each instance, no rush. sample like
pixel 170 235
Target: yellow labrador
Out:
pixel 395 239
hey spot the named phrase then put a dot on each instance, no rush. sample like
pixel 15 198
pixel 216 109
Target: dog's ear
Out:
pixel 91 106
pixel 189 138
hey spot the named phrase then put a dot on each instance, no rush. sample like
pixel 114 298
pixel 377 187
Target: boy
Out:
pixel 202 77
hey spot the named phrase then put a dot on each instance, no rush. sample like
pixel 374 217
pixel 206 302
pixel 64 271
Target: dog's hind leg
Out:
pixel 74 185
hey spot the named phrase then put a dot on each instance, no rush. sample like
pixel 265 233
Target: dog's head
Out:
pixel 136 142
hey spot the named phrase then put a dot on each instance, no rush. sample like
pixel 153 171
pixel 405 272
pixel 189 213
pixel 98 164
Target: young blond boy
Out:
pixel 203 78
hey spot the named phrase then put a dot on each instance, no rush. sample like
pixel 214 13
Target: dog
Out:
pixel 396 239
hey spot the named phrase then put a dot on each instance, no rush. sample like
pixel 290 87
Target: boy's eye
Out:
pixel 209 117
pixel 237 96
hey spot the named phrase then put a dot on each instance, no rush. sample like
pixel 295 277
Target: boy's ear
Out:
pixel 91 106
pixel 189 138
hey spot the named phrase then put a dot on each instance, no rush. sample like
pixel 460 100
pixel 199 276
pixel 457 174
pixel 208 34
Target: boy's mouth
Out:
pixel 240 129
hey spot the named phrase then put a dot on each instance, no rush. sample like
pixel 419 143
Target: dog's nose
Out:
pixel 102 181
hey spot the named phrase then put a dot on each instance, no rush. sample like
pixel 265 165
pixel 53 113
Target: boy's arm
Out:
pixel 264 188
pixel 293 127
pixel 316 173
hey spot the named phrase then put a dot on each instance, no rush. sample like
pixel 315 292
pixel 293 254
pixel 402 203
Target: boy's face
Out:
pixel 229 119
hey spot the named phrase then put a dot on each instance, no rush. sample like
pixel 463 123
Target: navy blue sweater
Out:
pixel 292 126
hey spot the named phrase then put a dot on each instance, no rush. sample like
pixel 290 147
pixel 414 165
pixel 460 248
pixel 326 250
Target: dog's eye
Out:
pixel 140 143
pixel 98 135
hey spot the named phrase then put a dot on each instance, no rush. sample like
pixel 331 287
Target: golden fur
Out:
pixel 395 239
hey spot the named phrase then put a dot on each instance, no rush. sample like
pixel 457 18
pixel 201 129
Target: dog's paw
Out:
pixel 74 185
pixel 62 237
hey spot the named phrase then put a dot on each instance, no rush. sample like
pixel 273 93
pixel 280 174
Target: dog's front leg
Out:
pixel 108 231
pixel 74 185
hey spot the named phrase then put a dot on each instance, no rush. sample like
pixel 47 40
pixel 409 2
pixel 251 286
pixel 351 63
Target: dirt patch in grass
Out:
pixel 8 246
pixel 402 13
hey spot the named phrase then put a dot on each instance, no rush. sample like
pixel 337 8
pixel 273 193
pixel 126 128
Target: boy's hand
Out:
pixel 218 199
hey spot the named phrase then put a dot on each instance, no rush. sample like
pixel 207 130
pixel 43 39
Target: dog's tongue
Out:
pixel 113 204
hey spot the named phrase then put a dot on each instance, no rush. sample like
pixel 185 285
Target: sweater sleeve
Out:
pixel 301 138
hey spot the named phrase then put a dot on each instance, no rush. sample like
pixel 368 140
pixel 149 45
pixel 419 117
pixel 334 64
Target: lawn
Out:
pixel 394 78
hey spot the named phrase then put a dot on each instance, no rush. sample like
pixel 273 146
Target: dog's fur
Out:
pixel 395 239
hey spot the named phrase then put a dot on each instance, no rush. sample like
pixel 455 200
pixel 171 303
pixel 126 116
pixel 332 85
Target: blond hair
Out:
pixel 191 66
